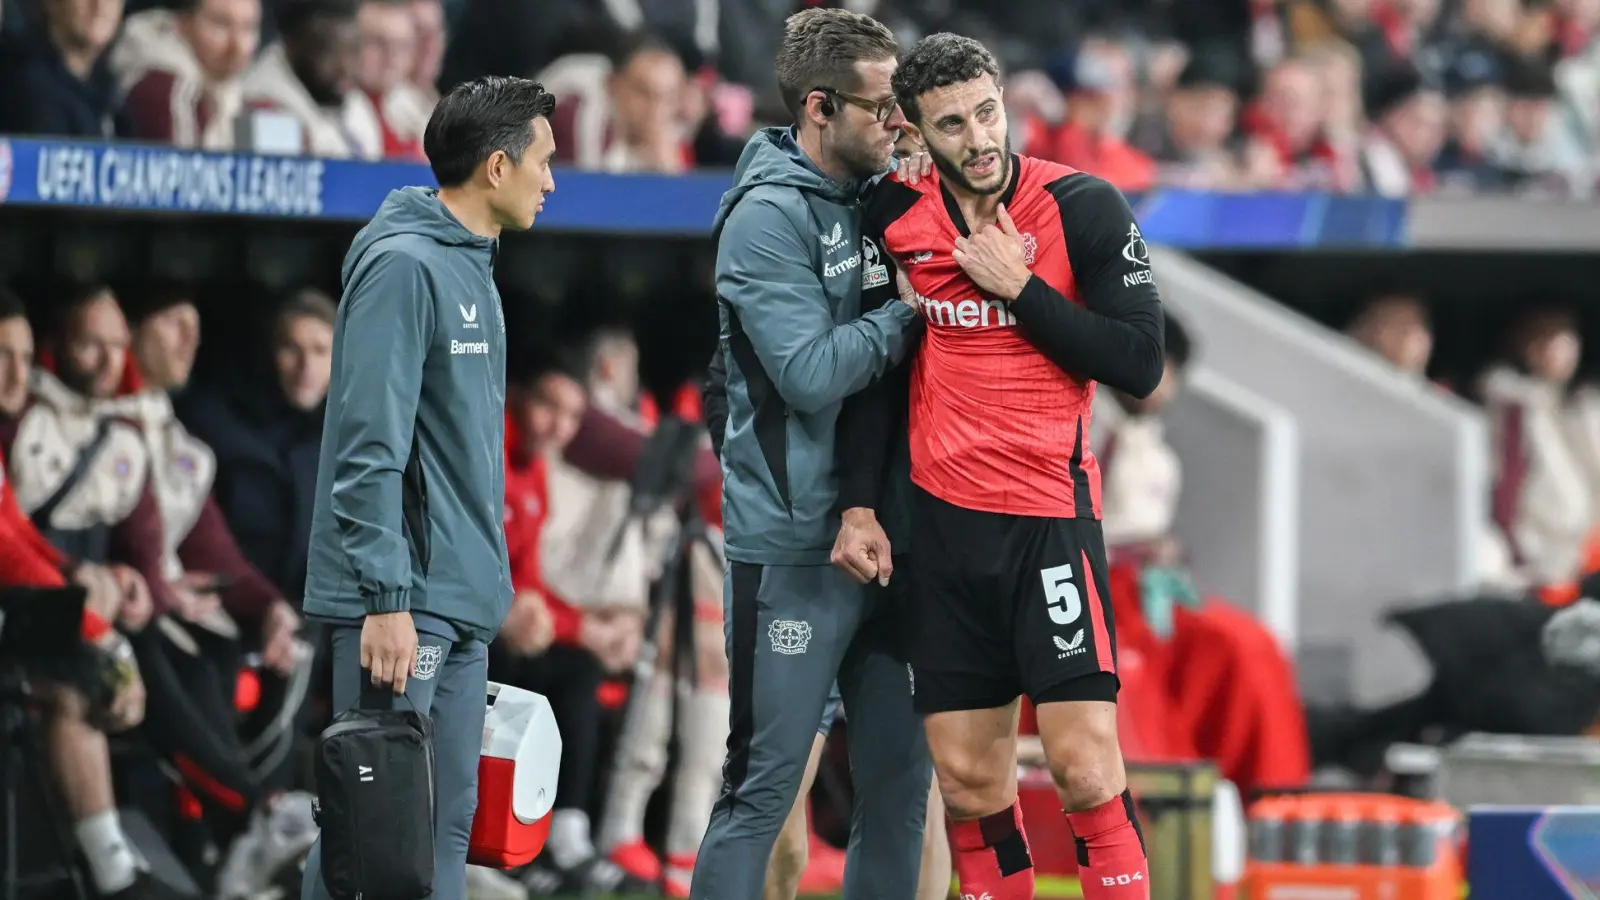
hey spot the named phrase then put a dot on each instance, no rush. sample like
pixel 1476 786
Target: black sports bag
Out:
pixel 374 773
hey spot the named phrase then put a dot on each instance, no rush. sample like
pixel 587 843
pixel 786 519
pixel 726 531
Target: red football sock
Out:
pixel 991 856
pixel 1111 856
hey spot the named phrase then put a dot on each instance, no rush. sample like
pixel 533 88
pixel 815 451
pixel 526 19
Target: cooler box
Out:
pixel 517 773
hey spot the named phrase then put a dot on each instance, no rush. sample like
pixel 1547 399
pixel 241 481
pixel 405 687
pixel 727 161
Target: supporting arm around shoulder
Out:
pixel 764 273
pixel 388 326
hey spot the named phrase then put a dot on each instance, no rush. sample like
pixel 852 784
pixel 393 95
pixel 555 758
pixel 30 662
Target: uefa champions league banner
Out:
pixel 155 179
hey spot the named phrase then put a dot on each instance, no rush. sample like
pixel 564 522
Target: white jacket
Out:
pixel 1141 474
pixel 151 44
pixel 271 83
pixel 54 431
pixel 1544 498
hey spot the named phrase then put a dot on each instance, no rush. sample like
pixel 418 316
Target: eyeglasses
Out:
pixel 881 109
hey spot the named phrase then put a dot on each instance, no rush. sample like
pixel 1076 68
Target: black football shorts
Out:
pixel 1007 605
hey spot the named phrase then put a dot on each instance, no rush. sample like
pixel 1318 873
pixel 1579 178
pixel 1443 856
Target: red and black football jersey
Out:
pixel 1002 388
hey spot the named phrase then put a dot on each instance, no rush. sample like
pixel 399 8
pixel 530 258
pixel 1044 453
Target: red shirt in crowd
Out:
pixel 28 560
pixel 1107 156
pixel 527 507
pixel 394 146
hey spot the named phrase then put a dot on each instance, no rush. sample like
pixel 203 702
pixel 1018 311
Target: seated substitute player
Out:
pixel 1036 285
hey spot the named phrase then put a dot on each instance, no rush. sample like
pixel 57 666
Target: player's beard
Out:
pixel 953 171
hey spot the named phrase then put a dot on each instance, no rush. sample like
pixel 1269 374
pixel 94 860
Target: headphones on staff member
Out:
pixel 826 107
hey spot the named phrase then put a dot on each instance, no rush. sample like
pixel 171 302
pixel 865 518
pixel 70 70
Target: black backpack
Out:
pixel 374 772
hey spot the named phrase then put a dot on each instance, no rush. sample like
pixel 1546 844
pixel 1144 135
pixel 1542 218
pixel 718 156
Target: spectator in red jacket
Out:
pixel 544 405
pixel 1092 139
pixel 545 644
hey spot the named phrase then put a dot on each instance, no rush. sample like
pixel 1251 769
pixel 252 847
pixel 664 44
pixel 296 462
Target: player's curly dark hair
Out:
pixel 820 49
pixel 936 61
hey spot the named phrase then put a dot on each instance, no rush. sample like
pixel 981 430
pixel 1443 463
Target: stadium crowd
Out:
pixel 1397 97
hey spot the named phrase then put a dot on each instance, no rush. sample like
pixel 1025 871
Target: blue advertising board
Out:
pixel 1533 853
pixel 139 178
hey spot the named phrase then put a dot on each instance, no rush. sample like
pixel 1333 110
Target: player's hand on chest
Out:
pixel 994 257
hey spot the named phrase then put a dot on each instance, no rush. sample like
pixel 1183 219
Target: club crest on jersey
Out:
pixel 1030 248
pixel 874 273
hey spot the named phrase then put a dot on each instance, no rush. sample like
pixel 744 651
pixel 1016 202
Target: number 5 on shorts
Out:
pixel 1061 595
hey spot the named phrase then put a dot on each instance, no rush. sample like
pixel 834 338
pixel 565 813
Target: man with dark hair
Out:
pixel 408 553
pixel 791 271
pixel 1035 284
pixel 306 73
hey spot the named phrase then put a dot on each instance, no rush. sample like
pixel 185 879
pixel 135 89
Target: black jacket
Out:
pixel 266 475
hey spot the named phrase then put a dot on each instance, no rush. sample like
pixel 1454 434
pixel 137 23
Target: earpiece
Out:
pixel 826 106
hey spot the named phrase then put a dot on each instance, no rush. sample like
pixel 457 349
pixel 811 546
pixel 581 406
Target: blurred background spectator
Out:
pixel 180 71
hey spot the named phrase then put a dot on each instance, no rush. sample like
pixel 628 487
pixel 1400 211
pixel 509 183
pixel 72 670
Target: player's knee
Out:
pixel 1087 768
pixel 971 789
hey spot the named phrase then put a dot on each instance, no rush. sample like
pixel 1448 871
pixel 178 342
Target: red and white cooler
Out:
pixel 516 779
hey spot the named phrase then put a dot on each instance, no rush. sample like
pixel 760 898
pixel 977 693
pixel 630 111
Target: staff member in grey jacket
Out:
pixel 408 553
pixel 791 267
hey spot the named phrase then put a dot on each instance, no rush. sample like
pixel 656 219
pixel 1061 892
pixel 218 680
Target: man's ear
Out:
pixel 494 168
pixel 811 108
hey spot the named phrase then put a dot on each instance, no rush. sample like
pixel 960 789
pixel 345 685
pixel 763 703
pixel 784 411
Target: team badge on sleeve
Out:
pixel 873 273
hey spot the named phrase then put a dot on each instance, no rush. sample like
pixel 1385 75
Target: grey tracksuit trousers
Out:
pixel 791 630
